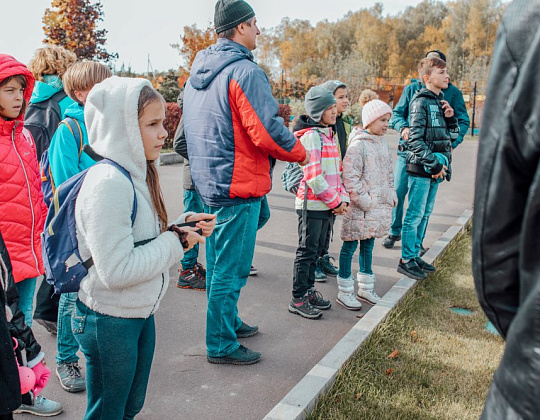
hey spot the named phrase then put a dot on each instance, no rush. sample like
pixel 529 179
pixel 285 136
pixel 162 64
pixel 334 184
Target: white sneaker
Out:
pixel 42 407
pixel 369 295
pixel 348 301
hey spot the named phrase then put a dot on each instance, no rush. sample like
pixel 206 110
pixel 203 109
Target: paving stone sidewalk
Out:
pixel 183 385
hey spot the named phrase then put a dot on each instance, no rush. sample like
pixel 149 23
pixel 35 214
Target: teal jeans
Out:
pixel 192 202
pixel 229 252
pixel 422 194
pixel 119 353
pixel 27 289
pixel 365 257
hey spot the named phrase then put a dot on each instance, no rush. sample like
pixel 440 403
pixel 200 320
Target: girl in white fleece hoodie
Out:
pixel 113 319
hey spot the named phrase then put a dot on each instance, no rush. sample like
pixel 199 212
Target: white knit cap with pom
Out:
pixel 374 110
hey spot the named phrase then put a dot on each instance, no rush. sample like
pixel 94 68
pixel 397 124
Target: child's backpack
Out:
pixel 64 267
pixel 292 175
pixel 47 183
pixel 42 119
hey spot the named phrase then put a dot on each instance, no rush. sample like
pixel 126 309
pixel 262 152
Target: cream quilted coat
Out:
pixel 369 180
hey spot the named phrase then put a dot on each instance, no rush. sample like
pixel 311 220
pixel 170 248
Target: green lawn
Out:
pixel 444 361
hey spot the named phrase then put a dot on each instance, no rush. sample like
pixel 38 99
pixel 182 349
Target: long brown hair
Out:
pixel 147 96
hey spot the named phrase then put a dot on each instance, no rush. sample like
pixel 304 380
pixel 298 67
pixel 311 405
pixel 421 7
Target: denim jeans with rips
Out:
pixel 229 253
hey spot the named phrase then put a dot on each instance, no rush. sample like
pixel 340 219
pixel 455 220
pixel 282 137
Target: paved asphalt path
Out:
pixel 183 385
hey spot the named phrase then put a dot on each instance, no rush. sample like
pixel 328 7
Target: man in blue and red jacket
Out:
pixel 233 133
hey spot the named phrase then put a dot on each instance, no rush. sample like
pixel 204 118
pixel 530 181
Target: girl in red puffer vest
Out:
pixel 22 209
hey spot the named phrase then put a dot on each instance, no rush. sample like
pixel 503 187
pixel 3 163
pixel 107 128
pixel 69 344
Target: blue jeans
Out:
pixel 66 344
pixel 365 257
pixel 265 213
pixel 192 202
pixel 229 252
pixel 119 353
pixel 421 192
pixel 401 183
pixel 27 288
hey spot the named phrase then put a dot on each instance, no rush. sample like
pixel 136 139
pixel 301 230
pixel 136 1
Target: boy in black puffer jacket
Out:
pixel 433 127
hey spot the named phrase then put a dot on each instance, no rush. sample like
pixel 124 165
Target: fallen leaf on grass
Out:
pixel 414 336
pixel 389 371
pixel 358 396
pixel 394 354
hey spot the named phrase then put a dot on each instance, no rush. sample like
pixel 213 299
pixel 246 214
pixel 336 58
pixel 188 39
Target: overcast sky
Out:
pixel 141 27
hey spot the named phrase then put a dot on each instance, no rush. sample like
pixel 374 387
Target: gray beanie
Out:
pixel 231 13
pixel 318 100
pixel 333 85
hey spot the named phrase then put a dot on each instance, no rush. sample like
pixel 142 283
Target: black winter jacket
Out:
pixel 17 326
pixel 430 132
pixel 10 387
pixel 506 224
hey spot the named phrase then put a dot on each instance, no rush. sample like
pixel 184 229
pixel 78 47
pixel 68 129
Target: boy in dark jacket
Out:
pixel 429 155
pixel 400 123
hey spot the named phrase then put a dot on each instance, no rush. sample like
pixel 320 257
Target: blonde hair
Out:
pixel 83 76
pixel 51 59
pixel 366 96
pixel 426 66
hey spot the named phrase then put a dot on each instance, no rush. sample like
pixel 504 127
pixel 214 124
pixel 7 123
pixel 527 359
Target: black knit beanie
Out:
pixel 439 53
pixel 231 13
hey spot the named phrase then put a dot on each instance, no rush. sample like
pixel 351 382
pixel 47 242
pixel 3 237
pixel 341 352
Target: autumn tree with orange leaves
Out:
pixel 192 41
pixel 72 24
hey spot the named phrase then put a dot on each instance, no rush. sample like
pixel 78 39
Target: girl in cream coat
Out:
pixel 368 178
pixel 113 319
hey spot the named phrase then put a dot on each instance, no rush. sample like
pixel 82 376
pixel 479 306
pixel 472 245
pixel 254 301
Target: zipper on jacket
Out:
pixel 29 195
pixel 159 296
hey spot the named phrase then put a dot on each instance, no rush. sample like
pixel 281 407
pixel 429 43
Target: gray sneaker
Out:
pixel 70 377
pixel 41 407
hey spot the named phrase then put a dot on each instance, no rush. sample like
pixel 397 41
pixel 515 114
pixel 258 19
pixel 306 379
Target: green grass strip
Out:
pixel 445 360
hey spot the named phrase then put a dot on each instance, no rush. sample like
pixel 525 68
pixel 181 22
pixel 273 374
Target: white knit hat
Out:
pixel 374 110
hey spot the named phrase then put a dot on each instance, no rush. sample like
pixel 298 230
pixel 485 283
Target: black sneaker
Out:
pixel 422 250
pixel 428 268
pixel 246 331
pixel 411 269
pixel 241 356
pixel 70 377
pixel 390 240
pixel 303 307
pixel 325 262
pixel 253 271
pixel 192 278
pixel 50 326
pixel 317 300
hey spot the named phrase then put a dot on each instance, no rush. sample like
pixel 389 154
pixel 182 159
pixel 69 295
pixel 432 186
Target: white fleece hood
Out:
pixel 112 121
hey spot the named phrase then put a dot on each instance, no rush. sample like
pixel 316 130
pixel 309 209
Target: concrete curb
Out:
pixel 303 397
pixel 170 158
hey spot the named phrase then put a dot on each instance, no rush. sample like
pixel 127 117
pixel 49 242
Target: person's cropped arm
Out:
pixel 460 112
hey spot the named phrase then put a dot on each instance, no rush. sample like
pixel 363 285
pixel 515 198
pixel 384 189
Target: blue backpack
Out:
pixel 47 183
pixel 64 267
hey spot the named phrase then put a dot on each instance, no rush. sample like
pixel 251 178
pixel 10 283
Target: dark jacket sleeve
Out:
pixel 507 202
pixel 400 114
pixel 463 121
pixel 17 326
pixel 180 144
pixel 418 121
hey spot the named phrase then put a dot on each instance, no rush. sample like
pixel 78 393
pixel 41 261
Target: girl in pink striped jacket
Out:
pixel 326 195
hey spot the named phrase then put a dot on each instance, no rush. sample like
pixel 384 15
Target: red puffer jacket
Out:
pixel 22 210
